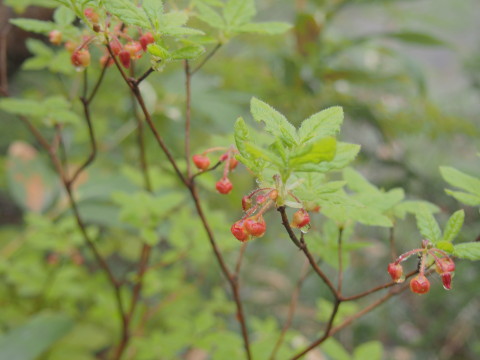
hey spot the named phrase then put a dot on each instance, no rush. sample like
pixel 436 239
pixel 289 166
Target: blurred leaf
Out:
pixel 187 52
pixel 209 15
pixel 416 38
pixel 463 181
pixel 29 341
pixel 357 182
pixel 454 225
pixel 238 12
pixel 372 350
pixel 63 16
pixel 37 26
pixel 127 12
pixel 334 349
pixel 269 28
pixel 469 251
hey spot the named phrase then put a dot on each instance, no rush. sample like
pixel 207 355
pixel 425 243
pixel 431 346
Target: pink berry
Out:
pixel 255 227
pixel 133 48
pixel 124 57
pixel 233 163
pixel 115 46
pixel 445 265
pixel 396 272
pixel 91 15
pixel 81 58
pixel 246 203
pixel 55 37
pixel 238 230
pixel 201 161
pixel 447 280
pixel 300 219
pixel 420 284
pixel 224 186
pixel 146 39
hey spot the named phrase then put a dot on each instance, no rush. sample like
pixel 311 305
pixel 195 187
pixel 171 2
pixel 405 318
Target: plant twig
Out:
pixel 208 57
pixel 340 260
pixel 188 91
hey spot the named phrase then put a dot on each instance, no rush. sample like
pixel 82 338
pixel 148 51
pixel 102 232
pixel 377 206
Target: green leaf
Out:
pixel 209 15
pixel 33 25
pixel 357 182
pixel 412 207
pixel 335 350
pixel 268 28
pixel 158 51
pixel 324 123
pixel 31 340
pixel 461 180
pixel 454 225
pixel 153 9
pixel 63 16
pixel 257 152
pixel 241 135
pixel 465 198
pixel 127 12
pixel 371 350
pixel 445 246
pixel 428 226
pixel 416 38
pixel 469 251
pixel 238 12
pixel 20 106
pixel 275 123
pixel 321 150
pixel 188 52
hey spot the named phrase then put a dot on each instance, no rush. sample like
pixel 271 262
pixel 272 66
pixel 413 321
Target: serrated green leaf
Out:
pixel 31 340
pixel 188 52
pixel 321 150
pixel 371 350
pixel 428 226
pixel 412 207
pixel 268 28
pixel 461 180
pixel 63 16
pixel 20 106
pixel 153 9
pixel 127 12
pixel 345 154
pixel 37 26
pixel 445 246
pixel 158 51
pixel 180 31
pixel 237 12
pixel 357 182
pixel 469 251
pixel 454 225
pixel 465 198
pixel 275 123
pixel 257 152
pixel 324 123
pixel 241 135
pixel 209 15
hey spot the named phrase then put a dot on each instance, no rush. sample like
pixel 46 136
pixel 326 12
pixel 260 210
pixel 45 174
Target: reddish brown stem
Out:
pixel 188 101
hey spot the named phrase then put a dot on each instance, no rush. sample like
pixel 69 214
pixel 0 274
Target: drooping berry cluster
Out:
pixel 121 44
pixel 202 162
pixel 444 265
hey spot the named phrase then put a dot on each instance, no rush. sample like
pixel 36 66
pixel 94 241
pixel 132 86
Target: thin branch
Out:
pixel 393 251
pixel 291 309
pixel 240 259
pixel 303 246
pixel 3 59
pixel 207 170
pixel 144 76
pixel 208 57
pixel 188 90
pixel 98 83
pixel 340 260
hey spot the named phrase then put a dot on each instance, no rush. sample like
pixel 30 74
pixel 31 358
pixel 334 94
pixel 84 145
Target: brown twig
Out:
pixel 391 238
pixel 188 100
pixel 340 261
pixel 240 259
pixel 208 57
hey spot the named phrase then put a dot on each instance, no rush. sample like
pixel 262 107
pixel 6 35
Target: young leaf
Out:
pixel 268 28
pixel 416 38
pixel 127 12
pixel 33 25
pixel 461 180
pixel 63 16
pixel 412 207
pixel 209 15
pixel 257 152
pixel 238 12
pixel 322 150
pixel 153 9
pixel 469 251
pixel 345 154
pixel 324 123
pixel 275 123
pixel 241 135
pixel 465 198
pixel 453 226
pixel 371 350
pixel 428 226
pixel 188 52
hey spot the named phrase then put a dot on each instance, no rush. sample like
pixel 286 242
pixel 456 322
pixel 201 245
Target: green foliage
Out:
pixel 469 184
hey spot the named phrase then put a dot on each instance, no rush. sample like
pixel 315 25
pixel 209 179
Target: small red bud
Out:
pixel 124 57
pixel 201 161
pixel 260 199
pixel 445 265
pixel 70 46
pixel 273 195
pixel 420 284
pixel 115 46
pixel 300 219
pixel 55 37
pixel 396 272
pixel 238 230
pixel 81 58
pixel 133 48
pixel 224 157
pixel 447 280
pixel 233 163
pixel 146 39
pixel 91 15
pixel 224 186
pixel 255 227
pixel 246 203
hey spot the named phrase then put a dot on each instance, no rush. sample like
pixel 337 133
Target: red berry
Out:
pixel 115 46
pixel 91 15
pixel 224 157
pixel 146 39
pixel 300 219
pixel 445 265
pixel 55 37
pixel 124 57
pixel 70 46
pixel 255 227
pixel 233 163
pixel 447 280
pixel 81 58
pixel 201 162
pixel 238 230
pixel 396 272
pixel 246 203
pixel 133 48
pixel 420 284
pixel 224 186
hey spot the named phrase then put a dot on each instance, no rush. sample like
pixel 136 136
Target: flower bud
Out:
pixel 201 161
pixel 396 272
pixel 80 58
pixel 224 186
pixel 55 37
pixel 238 230
pixel 246 203
pixel 447 280
pixel 420 284
pixel 300 219
pixel 255 227
pixel 146 39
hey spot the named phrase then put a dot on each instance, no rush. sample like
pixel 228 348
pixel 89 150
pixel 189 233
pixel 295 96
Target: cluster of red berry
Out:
pixel 444 266
pixel 131 50
pixel 255 205
pixel 202 162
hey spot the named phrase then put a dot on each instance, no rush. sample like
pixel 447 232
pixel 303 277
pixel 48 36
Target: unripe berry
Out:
pixel 260 199
pixel 124 57
pixel 133 48
pixel 246 203
pixel 201 162
pixel 273 195
pixel 224 186
pixel 115 46
pixel 55 37
pixel 238 230
pixel 233 163
pixel 445 265
pixel 420 284
pixel 146 39
pixel 91 15
pixel 300 219
pixel 81 58
pixel 447 280
pixel 396 272
pixel 255 227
